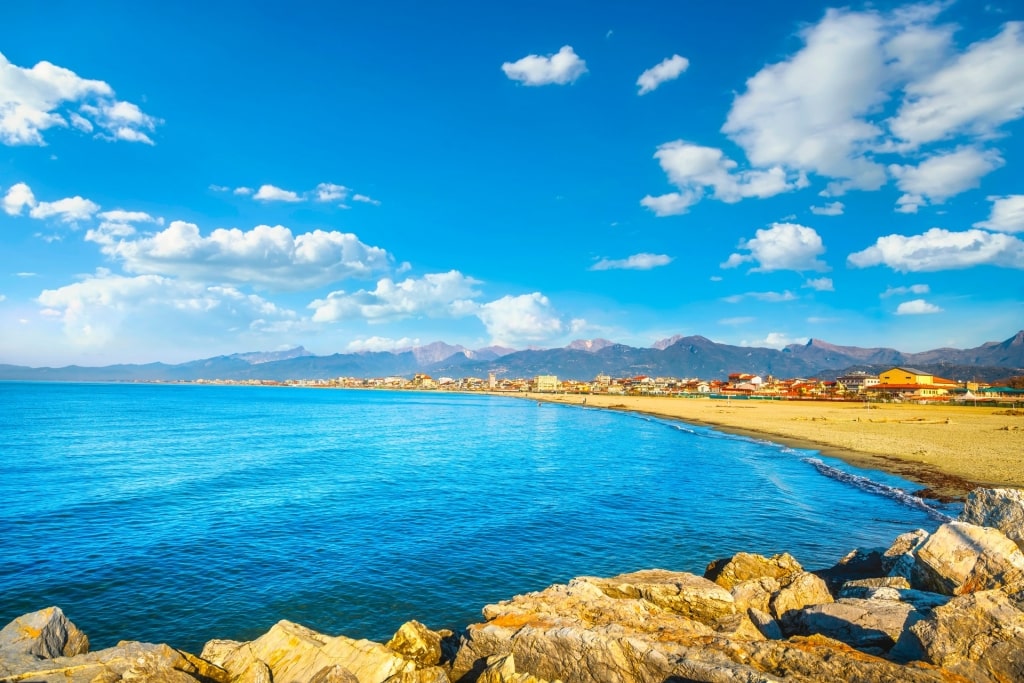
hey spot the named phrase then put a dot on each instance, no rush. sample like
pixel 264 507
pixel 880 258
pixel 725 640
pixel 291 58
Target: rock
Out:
pixel 126 662
pixel 1001 509
pixel 962 558
pixel 798 591
pixel 857 564
pixel 879 582
pixel 417 643
pixel 978 636
pixel 333 674
pixel 294 654
pixel 867 625
pixel 755 593
pixel 691 596
pixel 730 571
pixel 899 558
pixel 45 634
pixel 764 622
pixel 502 669
pixel 430 674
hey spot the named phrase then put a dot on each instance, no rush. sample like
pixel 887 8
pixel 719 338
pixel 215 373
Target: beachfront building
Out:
pixel 858 381
pixel 911 383
pixel 548 383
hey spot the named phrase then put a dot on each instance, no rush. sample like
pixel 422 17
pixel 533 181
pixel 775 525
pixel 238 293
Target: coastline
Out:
pixel 948 450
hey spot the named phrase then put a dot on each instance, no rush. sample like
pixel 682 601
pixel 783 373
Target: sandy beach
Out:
pixel 947 449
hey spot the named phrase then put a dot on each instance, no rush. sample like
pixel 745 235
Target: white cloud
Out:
pixel 263 256
pixel 95 310
pixel 775 340
pixel 325 192
pixel 270 193
pixel 940 249
pixel 667 70
pixel 917 307
pixel 244 191
pixel 35 100
pixel 973 94
pixel 784 246
pixel 830 209
pixel 793 116
pixel 642 261
pixel 219 188
pixel 559 69
pixel 671 204
pixel 821 284
pixel 1007 214
pixel 767 297
pixel 376 344
pixel 435 295
pixel 17 198
pixel 942 175
pixel 524 319
pixel 900 291
pixel 67 210
pixel 118 224
pixel 364 199
pixel 692 168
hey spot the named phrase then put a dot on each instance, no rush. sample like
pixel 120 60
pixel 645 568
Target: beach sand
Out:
pixel 948 449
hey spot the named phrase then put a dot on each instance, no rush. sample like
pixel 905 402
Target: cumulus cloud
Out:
pixel 434 295
pixel 900 291
pixel 695 168
pixel 68 210
pixel 244 191
pixel 264 256
pixel 974 93
pixel 1007 214
pixel 668 69
pixel 365 199
pixel 558 69
pixel 784 246
pixel 270 193
pixel 523 319
pixel 775 340
pixel 830 209
pixel 374 344
pixel 17 198
pixel 942 175
pixel 118 224
pixel 642 261
pixel 939 249
pixel 767 297
pixel 94 310
pixel 329 192
pixel 37 99
pixel 917 307
pixel 821 284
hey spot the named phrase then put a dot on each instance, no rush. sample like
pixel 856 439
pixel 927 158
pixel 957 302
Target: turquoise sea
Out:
pixel 182 513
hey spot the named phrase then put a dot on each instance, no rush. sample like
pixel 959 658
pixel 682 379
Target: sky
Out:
pixel 186 180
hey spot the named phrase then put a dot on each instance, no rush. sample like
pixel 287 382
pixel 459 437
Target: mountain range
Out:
pixel 692 356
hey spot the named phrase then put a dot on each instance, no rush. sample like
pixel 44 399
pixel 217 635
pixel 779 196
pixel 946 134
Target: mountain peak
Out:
pixel 591 345
pixel 663 344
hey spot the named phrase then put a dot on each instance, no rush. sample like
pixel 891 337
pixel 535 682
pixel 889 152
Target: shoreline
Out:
pixel 948 450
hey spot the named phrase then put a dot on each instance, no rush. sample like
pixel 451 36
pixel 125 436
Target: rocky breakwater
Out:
pixel 946 606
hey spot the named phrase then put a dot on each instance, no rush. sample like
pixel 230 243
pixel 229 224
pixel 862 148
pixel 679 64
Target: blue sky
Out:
pixel 185 181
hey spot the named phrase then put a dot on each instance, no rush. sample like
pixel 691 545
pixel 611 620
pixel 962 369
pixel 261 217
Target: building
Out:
pixel 911 383
pixel 545 383
pixel 858 381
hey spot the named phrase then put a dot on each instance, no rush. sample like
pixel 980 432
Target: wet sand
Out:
pixel 948 449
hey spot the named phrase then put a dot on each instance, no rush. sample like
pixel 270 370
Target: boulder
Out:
pixel 1001 509
pixel 755 593
pixel 295 654
pixel 799 591
pixel 690 596
pixel 417 643
pixel 502 669
pixel 867 625
pixel 126 662
pixel 962 558
pixel 978 636
pixel 430 674
pixel 44 634
pixel 333 674
pixel 856 585
pixel 740 567
pixel 898 559
pixel 765 623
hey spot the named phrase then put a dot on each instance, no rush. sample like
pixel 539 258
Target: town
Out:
pixel 898 384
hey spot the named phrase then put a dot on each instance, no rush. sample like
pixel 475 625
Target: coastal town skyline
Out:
pixel 184 182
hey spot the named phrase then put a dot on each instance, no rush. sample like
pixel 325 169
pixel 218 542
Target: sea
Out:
pixel 182 513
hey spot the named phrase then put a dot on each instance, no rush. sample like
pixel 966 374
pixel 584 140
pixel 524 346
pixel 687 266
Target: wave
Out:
pixel 879 488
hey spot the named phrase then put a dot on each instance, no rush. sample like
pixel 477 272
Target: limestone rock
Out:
pixel 1001 509
pixel 978 636
pixel 765 623
pixel 899 558
pixel 880 582
pixel 294 654
pixel 755 593
pixel 799 591
pixel 126 662
pixel 867 625
pixel 418 644
pixel 334 674
pixel 730 571
pixel 502 669
pixel 45 634
pixel 690 596
pixel 962 558
pixel 430 674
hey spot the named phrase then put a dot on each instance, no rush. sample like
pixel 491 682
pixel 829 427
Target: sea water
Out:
pixel 181 513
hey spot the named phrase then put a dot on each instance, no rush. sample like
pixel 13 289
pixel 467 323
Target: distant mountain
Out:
pixel 663 344
pixel 692 356
pixel 591 345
